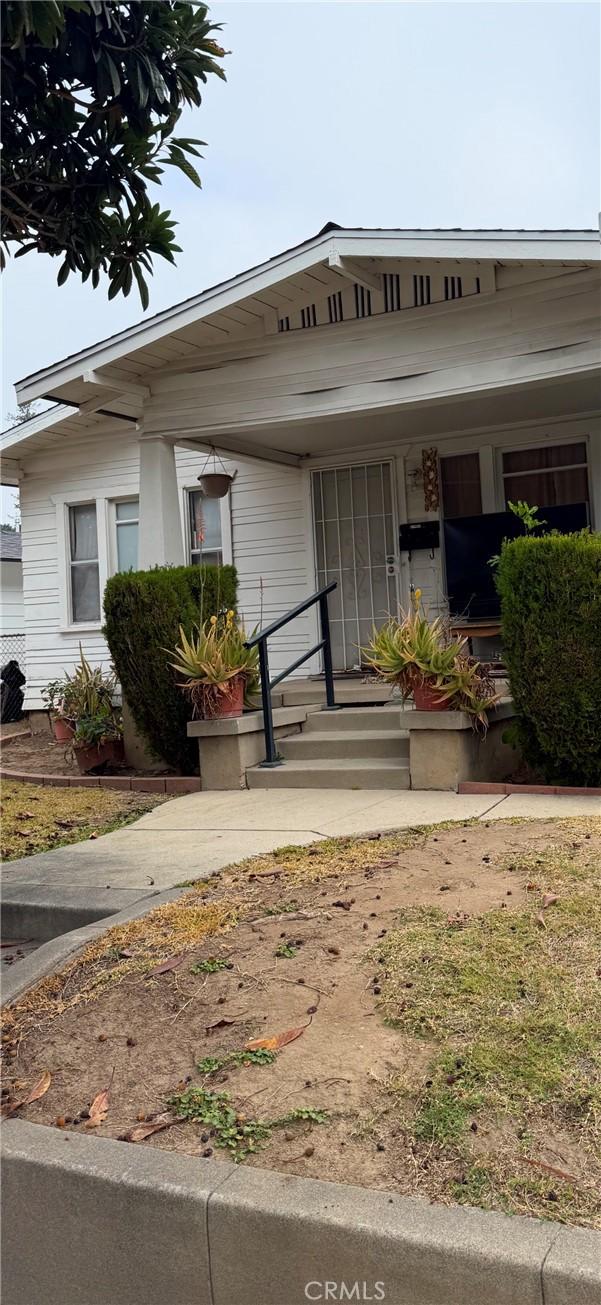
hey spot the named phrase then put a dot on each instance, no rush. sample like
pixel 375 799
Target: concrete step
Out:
pixel 365 774
pixel 354 719
pixel 346 692
pixel 350 744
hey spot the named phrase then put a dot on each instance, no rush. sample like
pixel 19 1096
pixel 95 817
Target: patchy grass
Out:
pixel 36 819
pixel 453 1039
pixel 511 1001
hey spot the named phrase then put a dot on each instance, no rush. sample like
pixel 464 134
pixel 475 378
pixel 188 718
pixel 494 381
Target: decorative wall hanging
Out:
pixel 431 487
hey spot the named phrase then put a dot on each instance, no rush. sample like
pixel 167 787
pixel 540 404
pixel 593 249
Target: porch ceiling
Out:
pixel 565 397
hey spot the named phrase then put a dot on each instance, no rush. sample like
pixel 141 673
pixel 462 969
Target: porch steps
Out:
pixel 332 773
pixel 353 748
pixel 348 744
pixel 348 692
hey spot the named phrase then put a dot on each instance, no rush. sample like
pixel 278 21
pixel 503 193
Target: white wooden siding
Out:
pixel 12 611
pixel 268 547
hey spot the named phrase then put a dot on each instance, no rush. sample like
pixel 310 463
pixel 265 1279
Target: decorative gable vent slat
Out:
pixel 421 291
pixel 453 288
pixel 309 315
pixel 362 301
pixel 392 292
pixel 335 306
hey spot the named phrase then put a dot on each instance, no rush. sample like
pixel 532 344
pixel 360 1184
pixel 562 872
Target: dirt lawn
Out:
pixel 36 819
pixel 444 989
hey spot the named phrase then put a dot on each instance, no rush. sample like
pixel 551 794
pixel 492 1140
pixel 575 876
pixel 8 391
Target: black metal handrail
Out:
pixel 260 641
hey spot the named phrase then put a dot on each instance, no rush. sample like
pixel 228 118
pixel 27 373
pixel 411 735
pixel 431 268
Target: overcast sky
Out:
pixel 383 115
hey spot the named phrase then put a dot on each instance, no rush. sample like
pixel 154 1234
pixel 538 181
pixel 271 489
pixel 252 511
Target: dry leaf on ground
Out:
pixel 144 1130
pixel 36 1092
pixel 171 963
pixel 99 1109
pixel 277 1041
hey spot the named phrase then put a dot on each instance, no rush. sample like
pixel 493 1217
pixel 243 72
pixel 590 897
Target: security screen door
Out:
pixel 355 532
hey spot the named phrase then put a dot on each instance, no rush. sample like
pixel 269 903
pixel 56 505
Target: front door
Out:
pixel 356 535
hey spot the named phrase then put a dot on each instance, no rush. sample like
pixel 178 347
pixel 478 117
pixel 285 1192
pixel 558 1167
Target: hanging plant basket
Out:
pixel 215 484
pixel 215 481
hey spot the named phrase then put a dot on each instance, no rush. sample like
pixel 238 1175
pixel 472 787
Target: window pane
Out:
pixel 556 455
pixel 127 511
pixel 82 532
pixel 127 546
pixel 85 592
pixel 460 482
pixel 205 522
pixel 549 488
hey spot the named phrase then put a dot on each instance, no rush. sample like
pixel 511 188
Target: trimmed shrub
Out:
pixel 143 612
pixel 550 592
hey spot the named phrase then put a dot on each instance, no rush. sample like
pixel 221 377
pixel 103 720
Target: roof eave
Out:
pixel 562 246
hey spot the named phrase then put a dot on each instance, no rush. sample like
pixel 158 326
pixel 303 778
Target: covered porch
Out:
pixel 393 498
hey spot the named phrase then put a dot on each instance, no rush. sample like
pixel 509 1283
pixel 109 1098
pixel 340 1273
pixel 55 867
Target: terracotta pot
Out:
pixel 102 754
pixel 427 698
pixel 229 703
pixel 215 484
pixel 62 729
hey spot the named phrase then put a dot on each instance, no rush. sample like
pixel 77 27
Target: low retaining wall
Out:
pixel 90 1221
pixel 130 783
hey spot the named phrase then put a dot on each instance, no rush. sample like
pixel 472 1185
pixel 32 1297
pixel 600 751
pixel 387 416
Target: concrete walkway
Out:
pixel 191 837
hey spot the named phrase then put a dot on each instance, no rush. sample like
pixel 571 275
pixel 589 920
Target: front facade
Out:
pixel 368 390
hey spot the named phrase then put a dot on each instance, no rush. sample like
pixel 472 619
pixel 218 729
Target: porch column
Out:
pixel 160 528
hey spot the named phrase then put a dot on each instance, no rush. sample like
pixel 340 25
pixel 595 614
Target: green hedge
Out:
pixel 550 592
pixel 143 611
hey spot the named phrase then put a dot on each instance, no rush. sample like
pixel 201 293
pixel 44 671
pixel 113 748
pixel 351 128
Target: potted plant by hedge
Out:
pixel 218 672
pixel 53 695
pixel 87 702
pixel 429 665
pixel 98 741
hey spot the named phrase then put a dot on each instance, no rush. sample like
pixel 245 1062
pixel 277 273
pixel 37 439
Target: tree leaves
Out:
pixel 141 1131
pixel 92 93
pixel 41 1087
pixel 277 1041
pixel 99 1109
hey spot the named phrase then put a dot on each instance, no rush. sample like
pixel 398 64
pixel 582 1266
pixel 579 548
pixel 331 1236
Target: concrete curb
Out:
pixel 53 954
pixel 107 1223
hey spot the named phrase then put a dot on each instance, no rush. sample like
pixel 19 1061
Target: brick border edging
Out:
pixel 552 790
pixel 129 783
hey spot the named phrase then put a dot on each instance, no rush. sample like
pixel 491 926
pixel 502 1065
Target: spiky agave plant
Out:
pixel 211 659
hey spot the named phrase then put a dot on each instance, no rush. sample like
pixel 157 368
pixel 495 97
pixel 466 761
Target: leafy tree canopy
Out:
pixel 92 91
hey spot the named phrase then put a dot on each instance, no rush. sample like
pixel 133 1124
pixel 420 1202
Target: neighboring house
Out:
pixel 12 611
pixel 359 383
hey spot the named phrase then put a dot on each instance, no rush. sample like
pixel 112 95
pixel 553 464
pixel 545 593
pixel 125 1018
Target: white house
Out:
pixel 12 608
pixel 358 383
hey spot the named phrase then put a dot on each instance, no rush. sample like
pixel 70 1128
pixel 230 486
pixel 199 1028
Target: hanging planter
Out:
pixel 216 481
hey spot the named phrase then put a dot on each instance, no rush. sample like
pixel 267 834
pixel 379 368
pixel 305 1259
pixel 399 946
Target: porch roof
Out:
pixel 105 385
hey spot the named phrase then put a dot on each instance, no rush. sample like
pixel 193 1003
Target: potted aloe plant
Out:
pixel 218 673
pixel 431 666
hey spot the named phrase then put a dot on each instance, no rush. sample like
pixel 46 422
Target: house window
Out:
pixel 547 476
pixel 126 531
pixel 83 563
pixel 460 484
pixel 205 529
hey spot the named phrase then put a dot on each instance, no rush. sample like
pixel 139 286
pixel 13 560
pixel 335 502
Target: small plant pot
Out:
pixel 427 698
pixel 228 703
pixel 102 754
pixel 62 729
